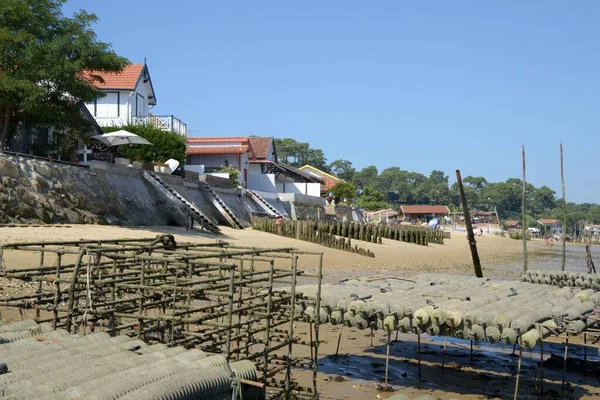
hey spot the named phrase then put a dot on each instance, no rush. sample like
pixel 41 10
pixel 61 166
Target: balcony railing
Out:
pixel 163 122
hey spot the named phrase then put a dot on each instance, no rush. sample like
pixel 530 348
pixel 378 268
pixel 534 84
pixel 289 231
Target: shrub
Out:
pixel 165 144
pixel 234 174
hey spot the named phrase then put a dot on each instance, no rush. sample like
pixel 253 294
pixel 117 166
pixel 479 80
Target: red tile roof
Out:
pixel 216 139
pixel 549 221
pixel 261 146
pixel 424 210
pixel 126 79
pixel 512 223
pixel 216 150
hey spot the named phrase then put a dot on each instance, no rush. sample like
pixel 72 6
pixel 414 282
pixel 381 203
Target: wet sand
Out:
pixel 360 367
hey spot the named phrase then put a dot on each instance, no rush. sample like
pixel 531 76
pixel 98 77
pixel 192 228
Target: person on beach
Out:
pixel 278 222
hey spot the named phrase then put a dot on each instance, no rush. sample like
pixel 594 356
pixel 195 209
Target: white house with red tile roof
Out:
pixel 128 97
pixel 268 174
pixel 264 148
pixel 210 154
pixel 255 158
pixel 550 225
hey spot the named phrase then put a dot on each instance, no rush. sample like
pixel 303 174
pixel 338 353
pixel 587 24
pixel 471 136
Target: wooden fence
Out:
pixel 373 233
pixel 305 230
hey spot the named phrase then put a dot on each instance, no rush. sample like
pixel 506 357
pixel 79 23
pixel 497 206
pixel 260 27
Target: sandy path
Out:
pixel 390 257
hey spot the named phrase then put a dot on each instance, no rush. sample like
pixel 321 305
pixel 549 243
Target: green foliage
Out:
pixel 372 199
pixel 297 154
pixel 345 191
pixel 234 174
pixel 42 54
pixel 395 186
pixel 365 177
pixel 165 144
pixel 342 169
pixel 519 235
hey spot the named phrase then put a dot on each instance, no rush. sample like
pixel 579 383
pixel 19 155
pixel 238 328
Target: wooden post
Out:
pixel 565 361
pixel 518 373
pixel 564 210
pixel 524 213
pixel 419 353
pixel 470 235
pixel 591 268
pixel 387 361
pixel 541 362
pixel 339 341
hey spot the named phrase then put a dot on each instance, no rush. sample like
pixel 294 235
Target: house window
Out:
pixel 108 106
pixel 140 103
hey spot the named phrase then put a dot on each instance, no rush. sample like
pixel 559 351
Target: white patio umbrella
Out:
pixel 119 138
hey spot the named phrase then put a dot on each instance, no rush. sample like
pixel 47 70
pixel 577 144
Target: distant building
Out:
pixel 128 98
pixel 550 225
pixel 512 224
pixel 385 215
pixel 423 213
pixel 255 158
pixel 210 154
pixel 484 217
pixel 329 180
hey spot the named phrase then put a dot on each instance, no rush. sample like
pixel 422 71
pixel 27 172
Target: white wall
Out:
pixel 107 106
pixel 223 175
pixel 114 109
pixel 142 110
pixel 308 189
pixel 270 155
pixel 313 189
pixel 262 182
pixel 214 160
pixel 199 169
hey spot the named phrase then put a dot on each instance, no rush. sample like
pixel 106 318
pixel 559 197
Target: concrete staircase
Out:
pixel 172 194
pixel 264 204
pixel 222 207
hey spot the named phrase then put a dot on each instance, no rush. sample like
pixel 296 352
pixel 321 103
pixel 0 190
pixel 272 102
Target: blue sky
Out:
pixel 420 85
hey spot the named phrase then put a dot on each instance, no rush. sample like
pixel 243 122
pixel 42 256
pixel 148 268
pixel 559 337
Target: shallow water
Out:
pixel 551 259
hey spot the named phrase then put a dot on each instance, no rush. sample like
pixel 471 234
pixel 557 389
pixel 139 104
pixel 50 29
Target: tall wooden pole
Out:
pixel 564 209
pixel 470 235
pixel 524 213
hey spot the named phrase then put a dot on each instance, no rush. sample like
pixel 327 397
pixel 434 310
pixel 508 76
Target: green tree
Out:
pixel 42 55
pixel 506 196
pixel 542 201
pixel 165 144
pixel 476 182
pixel 435 189
pixel 298 154
pixel 372 199
pixel 342 169
pixel 366 176
pixel 345 191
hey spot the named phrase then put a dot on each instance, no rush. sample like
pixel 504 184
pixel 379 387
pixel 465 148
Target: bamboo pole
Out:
pixel 516 396
pixel 564 210
pixel 524 213
pixel 470 235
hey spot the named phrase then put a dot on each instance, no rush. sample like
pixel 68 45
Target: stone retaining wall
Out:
pixel 34 191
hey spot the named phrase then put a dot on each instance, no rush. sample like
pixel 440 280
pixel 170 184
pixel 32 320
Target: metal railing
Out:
pixel 39 158
pixel 168 123
pixel 163 122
